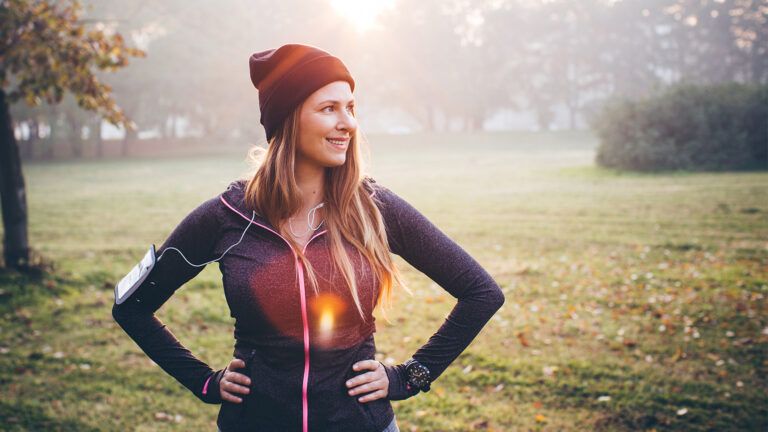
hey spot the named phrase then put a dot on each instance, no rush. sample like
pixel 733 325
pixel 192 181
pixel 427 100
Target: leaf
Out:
pixel 677 355
pixel 522 339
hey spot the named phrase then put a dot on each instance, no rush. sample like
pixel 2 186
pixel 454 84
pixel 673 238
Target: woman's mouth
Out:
pixel 339 143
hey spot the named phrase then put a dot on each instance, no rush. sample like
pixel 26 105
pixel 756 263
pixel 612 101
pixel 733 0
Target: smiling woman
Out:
pixel 362 13
pixel 304 354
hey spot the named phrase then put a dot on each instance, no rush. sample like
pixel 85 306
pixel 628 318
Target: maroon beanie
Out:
pixel 287 75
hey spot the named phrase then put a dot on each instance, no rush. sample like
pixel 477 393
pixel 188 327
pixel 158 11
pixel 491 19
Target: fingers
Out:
pixel 229 389
pixel 229 398
pixel 232 387
pixel 366 364
pixel 378 394
pixel 233 384
pixel 375 383
pixel 237 378
pixel 236 363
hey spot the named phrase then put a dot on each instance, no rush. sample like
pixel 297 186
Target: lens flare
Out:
pixel 326 309
pixel 326 320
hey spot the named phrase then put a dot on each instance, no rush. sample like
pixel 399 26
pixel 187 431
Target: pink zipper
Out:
pixel 304 319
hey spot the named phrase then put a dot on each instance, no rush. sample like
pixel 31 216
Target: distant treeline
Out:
pixel 430 65
pixel 713 128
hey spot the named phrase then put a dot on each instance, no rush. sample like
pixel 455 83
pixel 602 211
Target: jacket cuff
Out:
pixel 398 383
pixel 209 389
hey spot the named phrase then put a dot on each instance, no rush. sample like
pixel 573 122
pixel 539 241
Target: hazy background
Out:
pixel 635 301
pixel 447 65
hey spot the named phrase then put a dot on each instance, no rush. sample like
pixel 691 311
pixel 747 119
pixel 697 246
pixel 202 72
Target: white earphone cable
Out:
pixel 222 255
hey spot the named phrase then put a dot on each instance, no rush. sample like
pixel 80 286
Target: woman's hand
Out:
pixel 230 382
pixel 375 381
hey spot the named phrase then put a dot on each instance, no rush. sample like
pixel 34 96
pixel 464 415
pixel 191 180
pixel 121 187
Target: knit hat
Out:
pixel 287 75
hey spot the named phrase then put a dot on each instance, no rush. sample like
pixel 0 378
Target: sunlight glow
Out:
pixel 327 307
pixel 362 13
pixel 326 321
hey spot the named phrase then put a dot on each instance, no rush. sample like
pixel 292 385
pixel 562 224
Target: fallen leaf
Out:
pixel 676 356
pixel 522 339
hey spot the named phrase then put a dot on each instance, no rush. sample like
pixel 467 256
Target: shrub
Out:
pixel 688 127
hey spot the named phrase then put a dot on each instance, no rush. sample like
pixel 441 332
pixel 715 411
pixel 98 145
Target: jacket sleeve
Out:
pixel 413 237
pixel 196 236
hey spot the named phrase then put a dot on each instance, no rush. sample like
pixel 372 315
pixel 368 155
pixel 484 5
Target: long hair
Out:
pixel 350 212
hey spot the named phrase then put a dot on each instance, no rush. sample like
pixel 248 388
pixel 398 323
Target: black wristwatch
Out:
pixel 418 376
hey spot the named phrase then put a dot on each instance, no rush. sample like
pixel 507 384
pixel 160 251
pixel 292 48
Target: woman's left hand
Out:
pixel 375 383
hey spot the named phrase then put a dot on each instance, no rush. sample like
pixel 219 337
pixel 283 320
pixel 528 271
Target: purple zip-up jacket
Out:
pixel 297 362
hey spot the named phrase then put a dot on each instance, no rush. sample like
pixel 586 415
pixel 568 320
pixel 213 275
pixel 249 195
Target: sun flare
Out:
pixel 326 321
pixel 362 13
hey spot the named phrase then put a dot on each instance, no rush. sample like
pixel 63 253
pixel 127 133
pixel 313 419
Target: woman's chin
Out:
pixel 336 162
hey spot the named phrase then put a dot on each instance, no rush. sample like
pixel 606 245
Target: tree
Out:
pixel 45 51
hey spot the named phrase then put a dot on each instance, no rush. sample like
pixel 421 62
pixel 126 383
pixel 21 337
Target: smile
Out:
pixel 338 143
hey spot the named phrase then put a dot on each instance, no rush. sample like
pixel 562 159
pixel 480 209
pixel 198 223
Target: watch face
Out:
pixel 418 374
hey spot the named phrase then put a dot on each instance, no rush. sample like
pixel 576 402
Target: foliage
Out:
pixel 469 63
pixel 688 127
pixel 47 51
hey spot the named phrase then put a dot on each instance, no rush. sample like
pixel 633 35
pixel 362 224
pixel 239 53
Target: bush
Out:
pixel 696 128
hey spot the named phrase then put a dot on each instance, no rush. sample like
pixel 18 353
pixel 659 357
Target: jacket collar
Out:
pixel 234 198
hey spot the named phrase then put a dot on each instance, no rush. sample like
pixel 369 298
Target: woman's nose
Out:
pixel 347 121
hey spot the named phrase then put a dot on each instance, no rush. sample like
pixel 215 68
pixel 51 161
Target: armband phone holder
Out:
pixel 135 277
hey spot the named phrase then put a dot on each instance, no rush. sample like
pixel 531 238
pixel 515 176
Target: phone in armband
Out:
pixel 133 280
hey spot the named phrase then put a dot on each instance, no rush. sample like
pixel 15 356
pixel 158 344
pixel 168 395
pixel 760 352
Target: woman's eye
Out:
pixel 351 109
pixel 329 107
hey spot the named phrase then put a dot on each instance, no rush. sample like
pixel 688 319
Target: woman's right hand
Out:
pixel 234 382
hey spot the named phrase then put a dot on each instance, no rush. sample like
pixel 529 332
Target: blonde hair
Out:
pixel 350 212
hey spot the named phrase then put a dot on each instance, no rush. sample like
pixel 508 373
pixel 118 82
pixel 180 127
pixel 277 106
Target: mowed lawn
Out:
pixel 633 301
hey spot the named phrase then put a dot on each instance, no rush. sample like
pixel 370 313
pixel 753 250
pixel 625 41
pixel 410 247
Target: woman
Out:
pixel 304 249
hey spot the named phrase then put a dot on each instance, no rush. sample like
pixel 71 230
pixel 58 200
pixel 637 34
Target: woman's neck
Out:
pixel 311 182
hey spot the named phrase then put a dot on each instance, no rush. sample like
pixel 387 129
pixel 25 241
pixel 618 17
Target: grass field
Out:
pixel 634 301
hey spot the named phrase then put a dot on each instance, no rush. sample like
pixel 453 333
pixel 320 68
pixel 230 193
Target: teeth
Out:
pixel 337 142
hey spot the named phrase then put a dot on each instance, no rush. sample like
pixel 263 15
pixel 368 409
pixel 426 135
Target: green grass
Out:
pixel 634 301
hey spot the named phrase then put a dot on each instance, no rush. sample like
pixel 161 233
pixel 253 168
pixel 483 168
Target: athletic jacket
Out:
pixel 299 346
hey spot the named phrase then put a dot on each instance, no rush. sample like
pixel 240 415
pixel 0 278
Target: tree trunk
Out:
pixel 34 137
pixel 76 136
pixel 130 137
pixel 12 194
pixel 97 137
pixel 53 136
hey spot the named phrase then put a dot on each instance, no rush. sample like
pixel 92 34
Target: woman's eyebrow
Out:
pixel 335 101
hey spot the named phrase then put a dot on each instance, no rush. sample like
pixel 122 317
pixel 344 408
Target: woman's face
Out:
pixel 326 125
